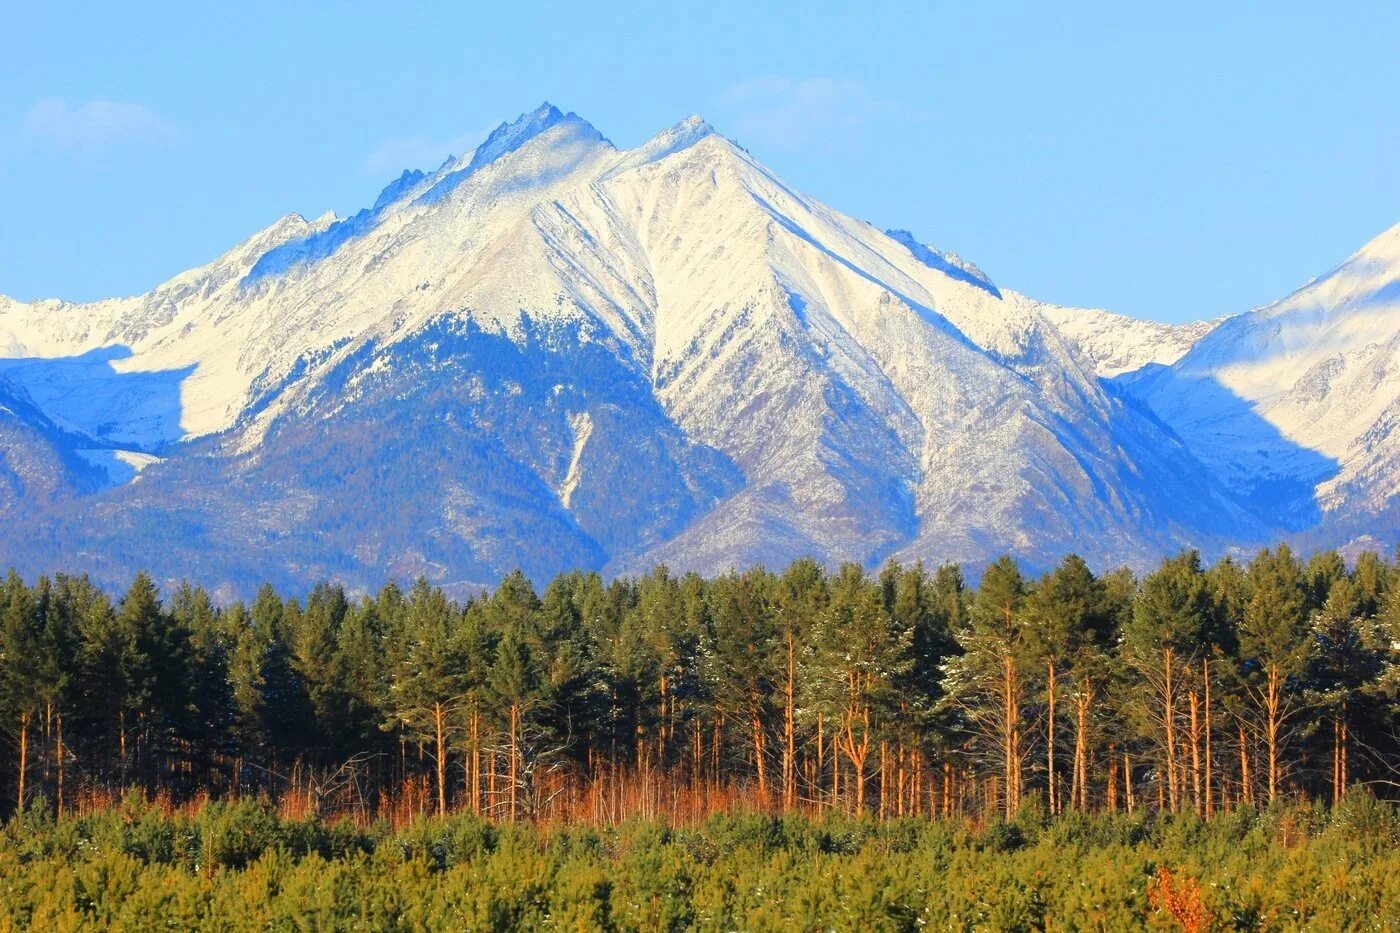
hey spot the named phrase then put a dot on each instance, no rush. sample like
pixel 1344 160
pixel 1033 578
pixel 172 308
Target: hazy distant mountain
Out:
pixel 550 353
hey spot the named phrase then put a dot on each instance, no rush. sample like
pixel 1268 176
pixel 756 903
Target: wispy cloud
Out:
pixel 96 124
pixel 795 113
pixel 397 153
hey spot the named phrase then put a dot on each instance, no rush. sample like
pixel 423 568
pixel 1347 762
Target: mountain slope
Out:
pixel 1118 344
pixel 1295 404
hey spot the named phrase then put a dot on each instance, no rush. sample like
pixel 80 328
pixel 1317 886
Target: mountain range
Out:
pixel 552 354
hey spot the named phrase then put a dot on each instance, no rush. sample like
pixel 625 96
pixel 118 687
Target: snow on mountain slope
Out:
pixel 549 353
pixel 1296 403
pixel 1119 344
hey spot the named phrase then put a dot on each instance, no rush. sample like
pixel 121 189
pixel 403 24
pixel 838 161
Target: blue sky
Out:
pixel 1170 161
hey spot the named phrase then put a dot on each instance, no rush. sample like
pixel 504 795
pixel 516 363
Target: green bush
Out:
pixel 241 866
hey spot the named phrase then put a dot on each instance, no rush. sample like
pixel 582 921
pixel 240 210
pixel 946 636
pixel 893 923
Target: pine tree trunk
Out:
pixel 440 738
pixel 514 758
pixel 475 768
pixel 756 725
pixel 60 761
pixel 789 728
pixel 23 760
pixel 1271 736
pixel 858 755
pixel 1339 755
pixel 835 773
pixel 1169 709
pixel 1112 797
pixel 884 770
pixel 1010 738
pixel 1079 795
pixel 1336 759
pixel 1210 800
pixel 1196 795
pixel 1052 791
pixel 1346 751
pixel 1128 781
pixel 661 725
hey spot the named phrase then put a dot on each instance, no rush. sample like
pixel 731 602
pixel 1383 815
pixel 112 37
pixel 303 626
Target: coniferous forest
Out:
pixel 893 729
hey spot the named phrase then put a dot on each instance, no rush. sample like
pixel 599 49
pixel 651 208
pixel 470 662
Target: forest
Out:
pixel 899 693
pixel 1207 747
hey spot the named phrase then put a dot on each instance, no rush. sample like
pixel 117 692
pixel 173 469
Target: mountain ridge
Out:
pixel 740 374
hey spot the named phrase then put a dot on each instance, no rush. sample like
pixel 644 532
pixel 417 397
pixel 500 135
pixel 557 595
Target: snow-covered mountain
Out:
pixel 1119 344
pixel 1296 405
pixel 551 353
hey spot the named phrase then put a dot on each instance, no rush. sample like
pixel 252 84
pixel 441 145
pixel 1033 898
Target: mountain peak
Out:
pixel 1385 247
pixel 503 140
pixel 511 136
pixel 681 136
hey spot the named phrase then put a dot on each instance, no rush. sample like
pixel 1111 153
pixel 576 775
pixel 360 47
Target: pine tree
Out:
pixel 1071 627
pixel 1274 643
pixel 988 683
pixel 1170 628
pixel 801 599
pixel 1346 657
pixel 860 658
pixel 426 690
pixel 746 657
pixel 21 688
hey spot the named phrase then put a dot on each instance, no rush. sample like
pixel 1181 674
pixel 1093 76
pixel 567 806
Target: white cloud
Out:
pixel 393 155
pixel 96 124
pixel 794 113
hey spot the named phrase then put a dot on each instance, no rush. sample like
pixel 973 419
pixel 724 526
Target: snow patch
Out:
pixel 582 424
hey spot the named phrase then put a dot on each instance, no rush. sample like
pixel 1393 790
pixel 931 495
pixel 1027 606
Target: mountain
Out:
pixel 1296 405
pixel 1118 344
pixel 550 353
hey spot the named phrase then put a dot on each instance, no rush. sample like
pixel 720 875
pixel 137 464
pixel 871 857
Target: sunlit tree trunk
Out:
pixel 1197 798
pixel 1272 724
pixel 758 739
pixel 1128 782
pixel 1083 701
pixel 514 751
pixel 1169 715
pixel 1210 799
pixel 1339 752
pixel 24 719
pixel 60 761
pixel 1112 796
pixel 789 726
pixel 1052 793
pixel 440 748
pixel 1011 735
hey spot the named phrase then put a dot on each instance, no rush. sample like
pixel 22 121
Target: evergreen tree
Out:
pixel 426 689
pixel 1170 628
pixel 1071 627
pixel 1274 645
pixel 801 599
pixel 988 683
pixel 1345 659
pixel 861 658
pixel 22 690
pixel 745 654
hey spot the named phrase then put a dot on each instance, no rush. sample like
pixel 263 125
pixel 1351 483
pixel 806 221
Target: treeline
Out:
pixel 897 693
